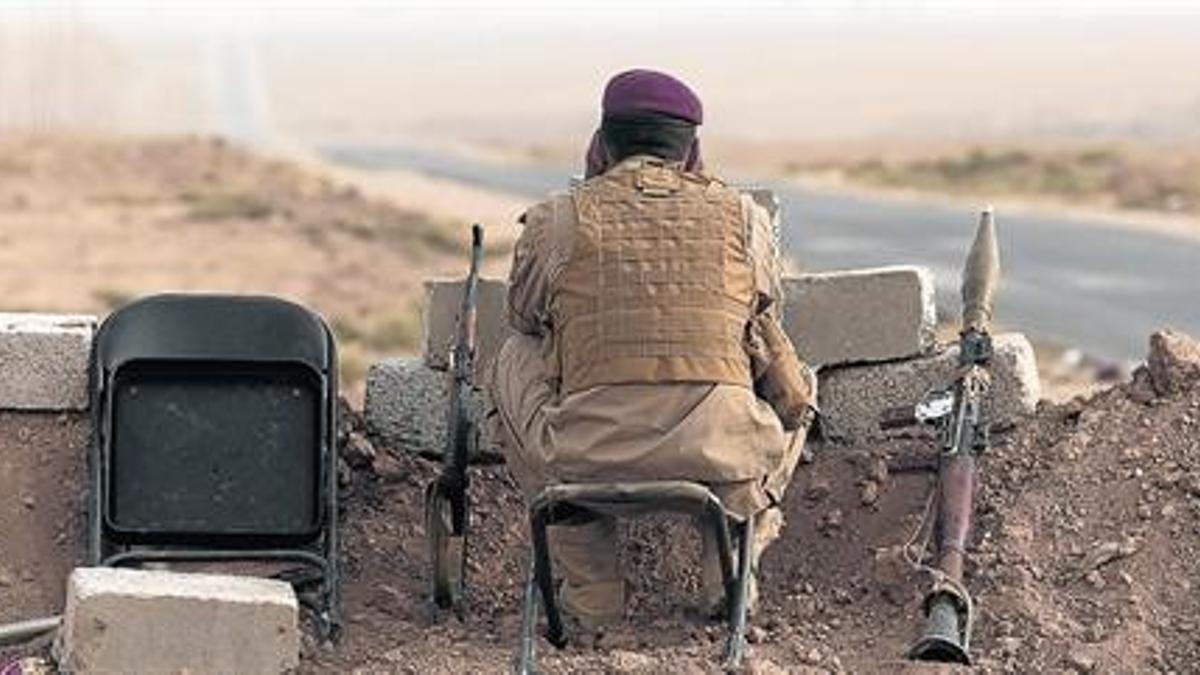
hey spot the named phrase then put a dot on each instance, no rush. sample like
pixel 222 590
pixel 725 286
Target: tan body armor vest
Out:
pixel 659 285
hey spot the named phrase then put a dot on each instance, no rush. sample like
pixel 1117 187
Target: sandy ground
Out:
pixel 447 201
pixel 87 224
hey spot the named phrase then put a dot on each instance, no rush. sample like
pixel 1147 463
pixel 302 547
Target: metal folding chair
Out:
pixel 625 499
pixel 214 439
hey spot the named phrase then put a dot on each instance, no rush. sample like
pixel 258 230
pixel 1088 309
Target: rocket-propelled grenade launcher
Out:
pixel 962 432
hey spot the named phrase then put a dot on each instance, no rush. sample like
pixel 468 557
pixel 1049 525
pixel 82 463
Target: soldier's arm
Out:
pixel 761 244
pixel 781 378
pixel 529 279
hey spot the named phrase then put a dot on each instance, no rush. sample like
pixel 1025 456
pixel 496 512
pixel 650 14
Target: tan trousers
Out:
pixel 586 551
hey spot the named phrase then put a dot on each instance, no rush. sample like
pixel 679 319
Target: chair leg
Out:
pixel 737 603
pixel 527 656
pixel 96 550
pixel 719 521
pixel 716 520
pixel 544 575
pixel 331 600
pixel 332 585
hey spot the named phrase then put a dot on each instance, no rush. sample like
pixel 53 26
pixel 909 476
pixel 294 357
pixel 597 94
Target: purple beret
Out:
pixel 636 91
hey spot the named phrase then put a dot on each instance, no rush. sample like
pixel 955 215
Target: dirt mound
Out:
pixel 1083 555
pixel 1089 535
pixel 1082 558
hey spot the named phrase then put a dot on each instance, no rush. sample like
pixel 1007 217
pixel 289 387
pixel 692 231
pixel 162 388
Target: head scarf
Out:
pixel 641 91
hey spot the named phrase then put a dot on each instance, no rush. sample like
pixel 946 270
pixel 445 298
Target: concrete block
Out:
pixel 859 316
pixel 406 406
pixel 44 361
pixel 853 398
pixel 443 299
pixel 134 621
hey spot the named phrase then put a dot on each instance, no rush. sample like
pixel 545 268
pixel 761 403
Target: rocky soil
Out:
pixel 1083 559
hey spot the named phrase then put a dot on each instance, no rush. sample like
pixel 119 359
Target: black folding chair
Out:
pixel 214 439
pixel 559 502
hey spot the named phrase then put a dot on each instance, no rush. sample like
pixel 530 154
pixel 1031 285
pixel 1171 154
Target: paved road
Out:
pixel 1088 284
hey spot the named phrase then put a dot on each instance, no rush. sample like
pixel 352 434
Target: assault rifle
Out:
pixel 963 434
pixel 446 507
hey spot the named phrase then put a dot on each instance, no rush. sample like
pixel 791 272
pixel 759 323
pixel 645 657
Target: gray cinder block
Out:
pixel 860 316
pixel 406 406
pixel 44 361
pixel 443 300
pixel 854 398
pixel 135 621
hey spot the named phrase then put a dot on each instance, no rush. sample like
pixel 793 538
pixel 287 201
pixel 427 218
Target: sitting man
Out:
pixel 646 300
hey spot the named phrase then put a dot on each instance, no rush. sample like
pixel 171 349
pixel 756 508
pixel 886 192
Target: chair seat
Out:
pixel 632 498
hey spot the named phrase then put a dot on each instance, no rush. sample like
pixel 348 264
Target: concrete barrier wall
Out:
pixel 443 303
pixel 853 398
pixel 406 407
pixel 860 316
pixel 44 361
pixel 870 330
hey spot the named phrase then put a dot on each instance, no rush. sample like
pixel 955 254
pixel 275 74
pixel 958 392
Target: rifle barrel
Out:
pixel 458 425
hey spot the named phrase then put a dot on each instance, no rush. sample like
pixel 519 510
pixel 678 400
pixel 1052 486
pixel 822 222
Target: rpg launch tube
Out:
pixel 956 496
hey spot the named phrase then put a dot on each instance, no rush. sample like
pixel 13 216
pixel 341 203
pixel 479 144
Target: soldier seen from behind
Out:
pixel 649 347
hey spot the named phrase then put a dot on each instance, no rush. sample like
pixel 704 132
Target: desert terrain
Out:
pixel 88 223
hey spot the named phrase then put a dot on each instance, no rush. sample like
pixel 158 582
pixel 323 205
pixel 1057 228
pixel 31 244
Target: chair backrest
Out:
pixel 214 419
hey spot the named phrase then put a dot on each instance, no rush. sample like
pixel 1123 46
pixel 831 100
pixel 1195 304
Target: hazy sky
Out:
pixel 519 15
pixel 523 69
